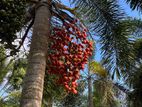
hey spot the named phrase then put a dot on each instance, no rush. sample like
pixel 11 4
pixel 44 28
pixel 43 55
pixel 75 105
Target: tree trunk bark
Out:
pixel 90 96
pixel 34 79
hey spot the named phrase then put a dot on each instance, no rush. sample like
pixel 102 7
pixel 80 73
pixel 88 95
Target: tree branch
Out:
pixel 25 35
pixel 61 6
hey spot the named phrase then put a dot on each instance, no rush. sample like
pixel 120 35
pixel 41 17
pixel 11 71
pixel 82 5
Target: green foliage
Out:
pixel 18 73
pixel 11 100
pixel 2 56
pixel 4 68
pixel 12 17
pixel 14 74
pixel 132 30
pixel 97 68
pixel 134 27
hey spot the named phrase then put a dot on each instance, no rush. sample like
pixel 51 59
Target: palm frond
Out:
pixel 104 18
pixel 135 4
pixel 122 54
pixel 135 27
pixel 133 78
pixel 101 14
pixel 135 71
pixel 116 49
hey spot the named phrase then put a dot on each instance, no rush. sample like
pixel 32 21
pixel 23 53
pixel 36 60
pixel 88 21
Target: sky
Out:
pixel 124 6
pixel 128 11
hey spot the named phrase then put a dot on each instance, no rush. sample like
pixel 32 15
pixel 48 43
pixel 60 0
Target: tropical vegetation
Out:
pixel 48 50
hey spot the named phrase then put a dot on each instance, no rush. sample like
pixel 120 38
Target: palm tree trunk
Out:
pixel 34 79
pixel 90 96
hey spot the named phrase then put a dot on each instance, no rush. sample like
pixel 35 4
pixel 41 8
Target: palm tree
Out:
pixel 105 26
pixel 106 17
pixel 93 68
pixel 34 79
pixel 90 96
pixel 103 87
pixel 104 94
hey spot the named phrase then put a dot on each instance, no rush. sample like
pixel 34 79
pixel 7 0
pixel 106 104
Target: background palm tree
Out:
pixel 104 93
pixel 134 77
pixel 103 87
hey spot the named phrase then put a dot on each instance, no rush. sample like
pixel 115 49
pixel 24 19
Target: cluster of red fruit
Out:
pixel 69 51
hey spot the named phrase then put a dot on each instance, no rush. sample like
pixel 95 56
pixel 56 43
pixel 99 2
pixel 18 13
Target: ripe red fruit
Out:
pixel 74 91
pixel 69 50
pixel 66 78
pixel 74 84
pixel 70 78
pixel 70 73
pixel 65 83
pixel 77 76
pixel 66 86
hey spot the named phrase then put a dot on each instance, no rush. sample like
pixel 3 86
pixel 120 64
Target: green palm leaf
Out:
pixel 97 68
pixel 104 18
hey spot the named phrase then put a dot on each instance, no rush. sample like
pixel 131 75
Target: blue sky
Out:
pixel 127 10
pixel 123 5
